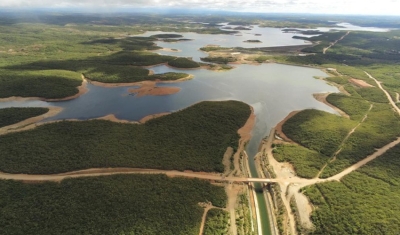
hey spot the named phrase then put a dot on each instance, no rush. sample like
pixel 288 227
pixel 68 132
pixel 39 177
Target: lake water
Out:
pixel 350 27
pixel 269 37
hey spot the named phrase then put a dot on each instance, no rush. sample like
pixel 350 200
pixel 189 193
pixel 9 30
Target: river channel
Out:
pixel 273 90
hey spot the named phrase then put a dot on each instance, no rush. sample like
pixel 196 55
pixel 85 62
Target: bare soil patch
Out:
pixel 360 83
pixel 150 88
pixel 226 161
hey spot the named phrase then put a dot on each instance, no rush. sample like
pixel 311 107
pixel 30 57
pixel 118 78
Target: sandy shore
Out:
pixel 321 97
pixel 149 117
pixel 278 127
pixel 30 122
pixel 245 131
pixel 113 118
pixel 102 84
pixel 170 50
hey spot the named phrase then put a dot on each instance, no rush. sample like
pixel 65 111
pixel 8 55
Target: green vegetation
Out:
pixel 115 74
pixel 372 94
pixel 184 63
pixel 47 60
pixel 219 60
pixel 121 74
pixel 381 127
pixel 318 130
pixel 50 84
pixel 121 204
pixel 214 48
pixel 253 41
pixel 9 116
pixel 356 108
pixel 307 163
pixel 261 59
pixel 195 139
pixel 337 80
pixel 243 220
pixel 217 222
pixel 167 35
pixel 364 202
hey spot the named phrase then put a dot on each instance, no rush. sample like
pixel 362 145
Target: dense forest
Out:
pixel 9 116
pixel 364 202
pixel 183 63
pixel 356 108
pixel 50 84
pixel 195 139
pixel 318 130
pixel 219 60
pixel 381 126
pixel 120 204
pixel 217 222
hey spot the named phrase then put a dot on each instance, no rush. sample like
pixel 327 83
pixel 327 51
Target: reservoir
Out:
pixel 273 90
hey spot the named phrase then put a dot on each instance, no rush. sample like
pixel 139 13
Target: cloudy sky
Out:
pixel 375 7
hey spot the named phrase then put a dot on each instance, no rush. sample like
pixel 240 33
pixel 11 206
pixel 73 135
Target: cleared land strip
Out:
pixel 386 93
pixel 333 158
pixel 199 175
pixel 332 44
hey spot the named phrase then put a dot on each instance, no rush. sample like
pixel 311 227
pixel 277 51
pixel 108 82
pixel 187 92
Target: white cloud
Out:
pixel 387 7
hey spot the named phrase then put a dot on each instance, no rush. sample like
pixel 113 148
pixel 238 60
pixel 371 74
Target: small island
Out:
pixel 253 41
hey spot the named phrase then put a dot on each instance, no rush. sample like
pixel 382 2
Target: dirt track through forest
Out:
pixel 340 147
pixel 386 93
pixel 332 44
pixel 95 172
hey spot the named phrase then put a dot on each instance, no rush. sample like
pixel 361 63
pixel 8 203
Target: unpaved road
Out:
pixel 200 175
pixel 333 43
pixel 386 93
pixel 344 141
pixel 291 186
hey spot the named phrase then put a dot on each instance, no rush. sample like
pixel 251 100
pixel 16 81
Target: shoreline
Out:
pixel 278 127
pixel 150 88
pixel 321 97
pixel 30 123
pixel 140 83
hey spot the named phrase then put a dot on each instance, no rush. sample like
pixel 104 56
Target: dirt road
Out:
pixel 200 175
pixel 333 43
pixel 386 93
